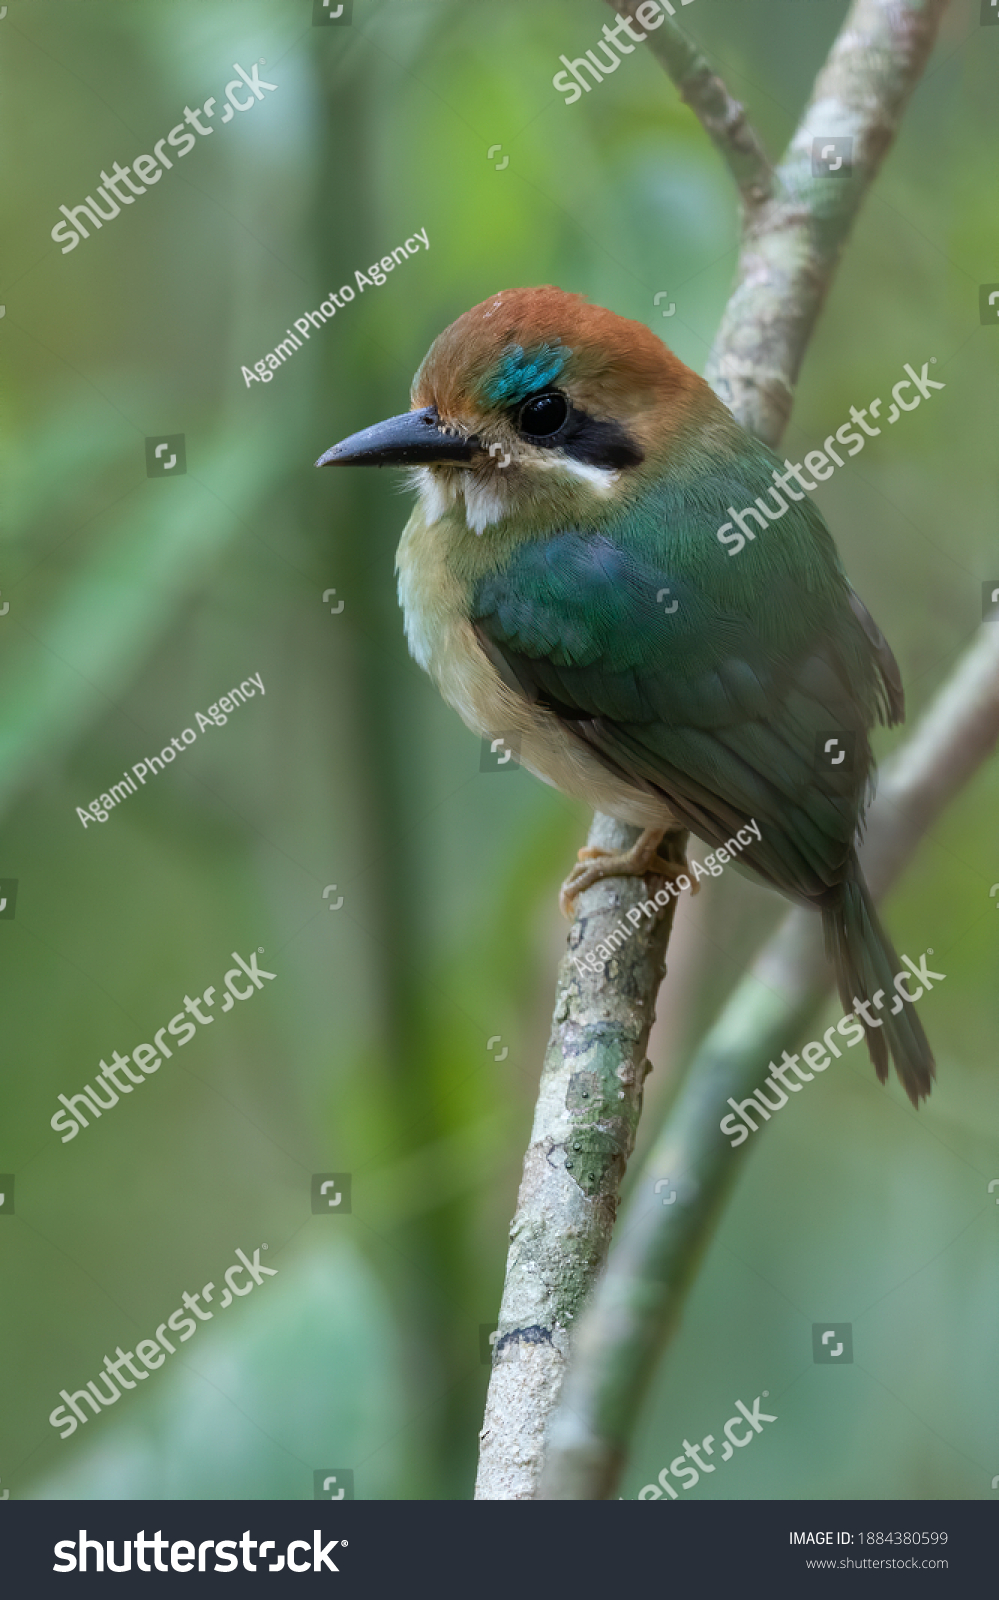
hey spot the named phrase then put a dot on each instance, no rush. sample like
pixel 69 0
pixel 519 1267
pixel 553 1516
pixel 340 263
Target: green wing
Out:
pixel 713 681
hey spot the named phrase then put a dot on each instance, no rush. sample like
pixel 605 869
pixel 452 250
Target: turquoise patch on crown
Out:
pixel 518 374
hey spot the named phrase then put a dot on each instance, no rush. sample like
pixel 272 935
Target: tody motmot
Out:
pixel 570 470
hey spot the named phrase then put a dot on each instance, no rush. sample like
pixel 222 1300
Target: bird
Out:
pixel 569 471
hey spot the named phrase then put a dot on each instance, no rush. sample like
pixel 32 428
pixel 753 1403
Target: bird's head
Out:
pixel 537 406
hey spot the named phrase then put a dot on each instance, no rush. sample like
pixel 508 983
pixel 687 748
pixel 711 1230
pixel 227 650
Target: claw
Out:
pixel 642 860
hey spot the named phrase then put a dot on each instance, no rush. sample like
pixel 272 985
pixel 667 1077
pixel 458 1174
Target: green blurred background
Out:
pixel 135 602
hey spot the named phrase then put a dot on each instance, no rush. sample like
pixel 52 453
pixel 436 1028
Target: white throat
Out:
pixel 488 492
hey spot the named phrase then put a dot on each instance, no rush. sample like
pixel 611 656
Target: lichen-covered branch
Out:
pixel 640 1299
pixel 583 1135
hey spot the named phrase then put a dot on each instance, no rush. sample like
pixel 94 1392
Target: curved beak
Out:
pixel 414 439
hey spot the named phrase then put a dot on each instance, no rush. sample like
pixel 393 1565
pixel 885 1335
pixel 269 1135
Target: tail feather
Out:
pixel 865 963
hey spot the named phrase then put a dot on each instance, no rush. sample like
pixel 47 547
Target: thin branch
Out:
pixel 796 218
pixel 724 119
pixel 792 243
pixel 639 1301
pixel 561 1233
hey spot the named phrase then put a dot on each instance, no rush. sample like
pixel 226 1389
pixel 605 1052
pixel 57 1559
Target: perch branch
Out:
pixel 583 1135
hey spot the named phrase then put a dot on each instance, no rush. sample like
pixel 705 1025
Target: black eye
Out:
pixel 544 415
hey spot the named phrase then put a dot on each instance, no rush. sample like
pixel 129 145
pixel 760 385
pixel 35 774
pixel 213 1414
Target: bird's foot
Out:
pixel 641 860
